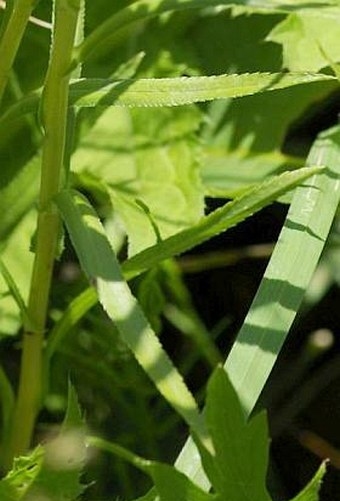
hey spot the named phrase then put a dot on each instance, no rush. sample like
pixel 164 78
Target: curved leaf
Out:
pixel 155 92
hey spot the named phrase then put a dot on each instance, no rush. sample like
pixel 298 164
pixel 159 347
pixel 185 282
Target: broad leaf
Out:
pixel 147 156
pixel 310 39
pixel 239 467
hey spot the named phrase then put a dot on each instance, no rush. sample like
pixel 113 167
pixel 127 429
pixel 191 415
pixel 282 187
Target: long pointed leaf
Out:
pixel 155 92
pixel 281 291
pixel 100 264
pixel 216 222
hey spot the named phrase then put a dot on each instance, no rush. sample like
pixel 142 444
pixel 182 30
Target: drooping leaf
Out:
pixel 100 263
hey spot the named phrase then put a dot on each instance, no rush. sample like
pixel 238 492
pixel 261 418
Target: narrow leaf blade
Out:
pixel 218 221
pixel 100 263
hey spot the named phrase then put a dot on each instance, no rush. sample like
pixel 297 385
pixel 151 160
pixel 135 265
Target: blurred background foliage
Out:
pixel 224 147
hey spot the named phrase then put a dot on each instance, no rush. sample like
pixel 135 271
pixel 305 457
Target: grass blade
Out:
pixel 288 274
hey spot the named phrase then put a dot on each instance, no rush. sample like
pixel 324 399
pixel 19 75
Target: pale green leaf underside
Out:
pixel 153 92
pixel 100 263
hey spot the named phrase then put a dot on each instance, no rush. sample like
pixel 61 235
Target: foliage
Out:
pixel 130 135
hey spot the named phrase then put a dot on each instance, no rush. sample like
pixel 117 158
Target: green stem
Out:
pixel 11 38
pixel 54 121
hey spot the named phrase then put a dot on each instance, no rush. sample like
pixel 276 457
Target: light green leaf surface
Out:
pixel 289 272
pixel 18 259
pixel 18 481
pixel 184 90
pixel 216 222
pixel 13 206
pixel 150 156
pixel 310 38
pixel 287 277
pixel 156 92
pixel 100 263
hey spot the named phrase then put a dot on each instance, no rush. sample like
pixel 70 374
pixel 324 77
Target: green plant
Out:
pixel 146 145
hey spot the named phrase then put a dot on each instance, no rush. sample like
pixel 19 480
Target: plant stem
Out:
pixel 11 38
pixel 54 120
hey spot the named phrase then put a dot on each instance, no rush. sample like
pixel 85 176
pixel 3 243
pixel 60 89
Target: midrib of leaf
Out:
pixel 155 92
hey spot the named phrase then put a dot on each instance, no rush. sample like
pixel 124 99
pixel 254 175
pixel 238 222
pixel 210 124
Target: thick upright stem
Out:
pixel 12 37
pixel 54 120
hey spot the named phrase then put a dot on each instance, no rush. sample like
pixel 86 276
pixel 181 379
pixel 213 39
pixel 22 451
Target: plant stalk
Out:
pixel 54 107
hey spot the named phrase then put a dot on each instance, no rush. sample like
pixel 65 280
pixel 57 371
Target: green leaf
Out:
pixel 100 263
pixel 170 484
pixel 288 274
pixel 19 260
pixel 243 138
pixel 18 481
pixel 64 458
pixel 216 222
pixel 184 90
pixel 238 468
pixel 310 38
pixel 26 182
pixel 287 277
pixel 148 156
pixel 118 26
pixel 312 489
pixel 156 92
pixel 173 485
